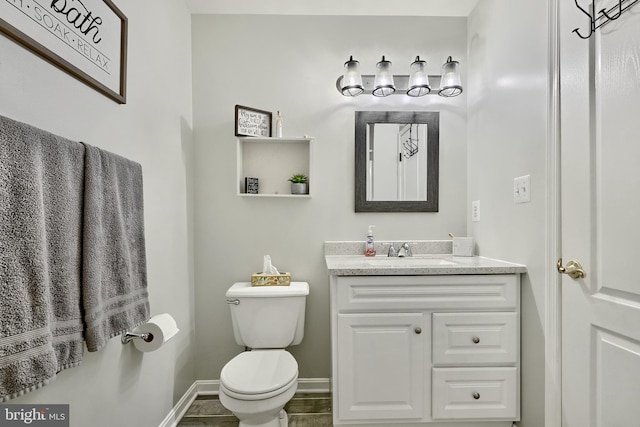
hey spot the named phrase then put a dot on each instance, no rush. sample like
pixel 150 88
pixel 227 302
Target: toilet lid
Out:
pixel 259 371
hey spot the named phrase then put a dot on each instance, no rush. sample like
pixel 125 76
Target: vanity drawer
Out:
pixel 468 393
pixel 393 293
pixel 475 338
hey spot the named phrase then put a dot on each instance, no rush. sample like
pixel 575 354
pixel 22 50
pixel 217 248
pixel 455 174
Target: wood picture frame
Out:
pixel 252 122
pixel 87 39
pixel 363 121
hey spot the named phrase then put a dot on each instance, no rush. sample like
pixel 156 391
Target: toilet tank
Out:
pixel 268 316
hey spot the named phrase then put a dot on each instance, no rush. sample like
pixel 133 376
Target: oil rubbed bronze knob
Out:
pixel 476 395
pixel 475 340
pixel 418 330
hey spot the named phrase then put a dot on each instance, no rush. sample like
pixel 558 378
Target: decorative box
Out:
pixel 259 279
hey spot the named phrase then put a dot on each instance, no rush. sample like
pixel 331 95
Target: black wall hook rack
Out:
pixel 411 145
pixel 604 16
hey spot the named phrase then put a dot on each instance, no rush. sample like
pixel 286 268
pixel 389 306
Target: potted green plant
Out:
pixel 298 183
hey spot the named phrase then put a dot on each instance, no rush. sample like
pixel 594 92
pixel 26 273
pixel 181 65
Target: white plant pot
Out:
pixel 298 188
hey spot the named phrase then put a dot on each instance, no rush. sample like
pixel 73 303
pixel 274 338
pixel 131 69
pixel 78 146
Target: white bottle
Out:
pixel 370 249
pixel 278 125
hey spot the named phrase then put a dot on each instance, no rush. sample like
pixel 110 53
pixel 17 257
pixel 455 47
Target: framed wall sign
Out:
pixel 85 38
pixel 252 122
pixel 251 185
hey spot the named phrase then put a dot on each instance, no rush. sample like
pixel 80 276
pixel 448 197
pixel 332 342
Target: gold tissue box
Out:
pixel 259 279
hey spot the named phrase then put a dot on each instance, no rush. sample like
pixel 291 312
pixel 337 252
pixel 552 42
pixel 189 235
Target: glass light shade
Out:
pixel 450 84
pixel 418 79
pixel 352 80
pixel 383 83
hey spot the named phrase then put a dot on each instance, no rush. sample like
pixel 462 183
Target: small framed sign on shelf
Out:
pixel 252 122
pixel 251 185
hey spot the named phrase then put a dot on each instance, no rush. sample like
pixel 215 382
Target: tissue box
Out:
pixel 259 279
pixel 463 246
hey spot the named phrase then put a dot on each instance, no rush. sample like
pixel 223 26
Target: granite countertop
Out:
pixel 429 258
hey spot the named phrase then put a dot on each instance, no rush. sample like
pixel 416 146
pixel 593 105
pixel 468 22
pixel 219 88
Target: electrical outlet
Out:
pixel 475 211
pixel 522 189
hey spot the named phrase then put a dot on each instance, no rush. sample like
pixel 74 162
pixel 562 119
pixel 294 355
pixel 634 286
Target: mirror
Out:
pixel 397 161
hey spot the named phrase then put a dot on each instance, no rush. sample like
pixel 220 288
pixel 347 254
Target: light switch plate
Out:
pixel 522 189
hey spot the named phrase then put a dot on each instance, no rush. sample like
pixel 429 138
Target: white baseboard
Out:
pixel 207 387
pixel 314 385
pixel 180 408
pixel 212 387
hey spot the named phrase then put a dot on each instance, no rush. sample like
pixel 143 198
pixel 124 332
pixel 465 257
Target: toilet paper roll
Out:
pixel 161 327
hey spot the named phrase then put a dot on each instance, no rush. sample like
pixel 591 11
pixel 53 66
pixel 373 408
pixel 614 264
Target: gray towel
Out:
pixel 114 272
pixel 41 181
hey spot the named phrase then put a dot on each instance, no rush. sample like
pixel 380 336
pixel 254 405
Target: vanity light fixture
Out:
pixel 351 84
pixel 450 84
pixel 384 83
pixel 418 78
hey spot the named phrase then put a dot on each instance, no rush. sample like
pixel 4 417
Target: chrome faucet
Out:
pixel 404 251
pixel 392 251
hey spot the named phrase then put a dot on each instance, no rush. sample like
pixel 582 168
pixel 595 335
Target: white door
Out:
pixel 600 161
pixel 412 153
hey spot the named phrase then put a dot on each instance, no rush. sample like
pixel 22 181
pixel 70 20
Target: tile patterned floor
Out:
pixel 304 410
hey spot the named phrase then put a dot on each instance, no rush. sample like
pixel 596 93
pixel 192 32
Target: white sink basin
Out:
pixel 407 261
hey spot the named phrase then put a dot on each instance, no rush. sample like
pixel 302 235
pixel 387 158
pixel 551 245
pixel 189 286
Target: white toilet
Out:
pixel 255 385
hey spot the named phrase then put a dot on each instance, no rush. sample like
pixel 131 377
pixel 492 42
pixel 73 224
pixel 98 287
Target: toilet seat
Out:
pixel 259 374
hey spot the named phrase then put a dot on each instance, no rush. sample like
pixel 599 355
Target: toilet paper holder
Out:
pixel 127 337
pixel 153 334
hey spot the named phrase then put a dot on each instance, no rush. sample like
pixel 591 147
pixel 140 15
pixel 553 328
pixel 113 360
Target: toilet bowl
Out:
pixel 255 386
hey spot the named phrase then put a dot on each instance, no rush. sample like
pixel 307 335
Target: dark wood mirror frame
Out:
pixel 363 119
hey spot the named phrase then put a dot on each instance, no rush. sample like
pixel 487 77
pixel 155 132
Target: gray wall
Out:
pixel 119 386
pixel 290 63
pixel 507 132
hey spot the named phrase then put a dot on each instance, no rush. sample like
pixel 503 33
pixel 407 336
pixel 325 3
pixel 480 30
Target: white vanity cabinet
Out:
pixel 436 350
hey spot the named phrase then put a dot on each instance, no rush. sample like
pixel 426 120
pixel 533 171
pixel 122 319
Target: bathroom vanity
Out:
pixel 427 340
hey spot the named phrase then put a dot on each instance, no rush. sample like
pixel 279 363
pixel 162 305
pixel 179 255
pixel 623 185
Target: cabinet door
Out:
pixel 381 368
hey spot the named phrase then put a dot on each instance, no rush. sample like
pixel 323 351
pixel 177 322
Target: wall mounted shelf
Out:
pixel 273 161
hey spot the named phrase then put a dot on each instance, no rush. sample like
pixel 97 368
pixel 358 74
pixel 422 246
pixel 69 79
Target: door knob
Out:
pixel 418 330
pixel 573 269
